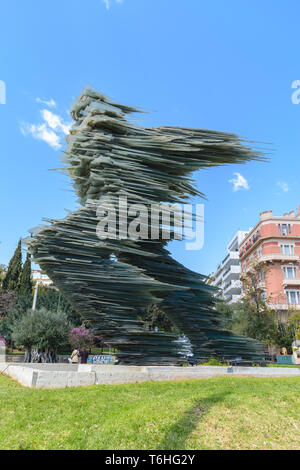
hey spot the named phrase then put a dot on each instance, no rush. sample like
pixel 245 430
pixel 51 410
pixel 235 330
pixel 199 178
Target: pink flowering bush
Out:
pixel 82 337
pixel 2 341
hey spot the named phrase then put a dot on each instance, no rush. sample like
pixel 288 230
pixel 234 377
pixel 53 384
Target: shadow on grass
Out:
pixel 180 431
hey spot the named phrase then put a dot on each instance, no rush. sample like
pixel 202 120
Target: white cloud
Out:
pixel 284 186
pixel 51 103
pixel 41 132
pixel 239 182
pixel 52 130
pixel 55 122
pixel 108 2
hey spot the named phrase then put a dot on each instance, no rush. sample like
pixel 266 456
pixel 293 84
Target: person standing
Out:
pixel 75 356
pixel 84 355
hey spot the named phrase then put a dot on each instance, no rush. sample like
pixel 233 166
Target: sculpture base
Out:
pixel 69 375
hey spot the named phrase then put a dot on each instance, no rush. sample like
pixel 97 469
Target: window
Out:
pixel 261 275
pixel 290 272
pixel 293 297
pixel 287 249
pixel 290 231
pixel 259 252
pixel 279 228
pixel 284 229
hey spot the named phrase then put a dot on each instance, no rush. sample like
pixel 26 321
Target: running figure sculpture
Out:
pixel 110 281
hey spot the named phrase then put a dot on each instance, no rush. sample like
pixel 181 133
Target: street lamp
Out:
pixel 35 295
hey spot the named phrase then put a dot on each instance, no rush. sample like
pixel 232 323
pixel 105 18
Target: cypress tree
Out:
pixel 12 278
pixel 25 280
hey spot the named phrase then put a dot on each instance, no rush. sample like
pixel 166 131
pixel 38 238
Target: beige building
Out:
pixel 41 278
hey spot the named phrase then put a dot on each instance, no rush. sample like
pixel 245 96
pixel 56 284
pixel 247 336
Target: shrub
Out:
pixel 213 361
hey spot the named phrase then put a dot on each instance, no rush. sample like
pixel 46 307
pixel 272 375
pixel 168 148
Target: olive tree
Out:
pixel 41 333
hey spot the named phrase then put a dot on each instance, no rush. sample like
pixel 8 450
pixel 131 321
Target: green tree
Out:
pixel 289 331
pixel 227 314
pixel 7 301
pixel 52 299
pixel 12 278
pixel 285 335
pixel 6 324
pixel 253 318
pixel 3 270
pixel 294 322
pixel 25 279
pixel 18 305
pixel 42 330
pixel 155 317
pixel 14 306
pixel 260 321
pixel 23 332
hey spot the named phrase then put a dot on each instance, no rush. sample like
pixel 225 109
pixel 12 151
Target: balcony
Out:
pixel 278 257
pixel 291 282
pixel 232 287
pixel 231 259
pixel 232 272
pixel 232 298
pixel 284 306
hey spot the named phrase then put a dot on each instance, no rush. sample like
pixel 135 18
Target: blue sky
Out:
pixel 209 64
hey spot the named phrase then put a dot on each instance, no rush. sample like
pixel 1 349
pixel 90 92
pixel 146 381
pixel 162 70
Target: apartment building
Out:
pixel 227 276
pixel 276 240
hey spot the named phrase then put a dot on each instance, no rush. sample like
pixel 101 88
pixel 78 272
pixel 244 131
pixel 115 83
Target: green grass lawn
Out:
pixel 283 365
pixel 219 413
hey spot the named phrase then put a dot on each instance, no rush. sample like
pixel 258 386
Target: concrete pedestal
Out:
pixel 68 375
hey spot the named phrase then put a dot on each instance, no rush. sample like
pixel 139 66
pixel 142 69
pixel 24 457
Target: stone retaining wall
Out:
pixel 68 375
